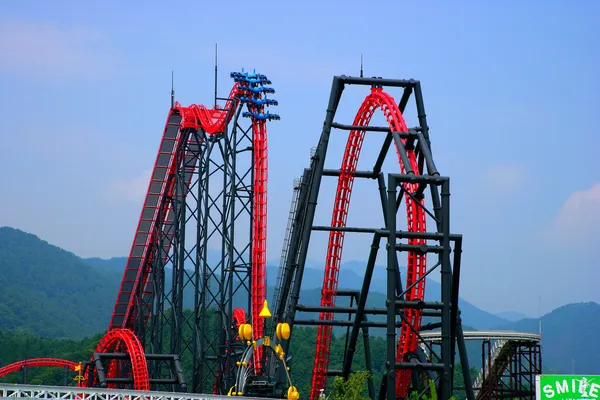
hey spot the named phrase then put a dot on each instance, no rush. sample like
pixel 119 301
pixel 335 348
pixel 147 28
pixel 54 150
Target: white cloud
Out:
pixel 133 189
pixel 578 221
pixel 46 51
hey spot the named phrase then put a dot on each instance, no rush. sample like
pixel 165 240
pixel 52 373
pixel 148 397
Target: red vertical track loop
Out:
pixel 407 342
pixel 259 232
pixel 114 338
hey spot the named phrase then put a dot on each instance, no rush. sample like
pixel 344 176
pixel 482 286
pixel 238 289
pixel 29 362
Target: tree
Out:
pixel 432 396
pixel 350 389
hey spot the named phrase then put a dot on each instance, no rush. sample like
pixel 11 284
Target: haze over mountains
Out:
pixel 50 292
pixel 350 278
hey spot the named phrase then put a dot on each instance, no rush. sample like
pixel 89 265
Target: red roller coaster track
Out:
pixel 416 267
pixel 211 121
pixel 38 362
pixel 137 271
pixel 124 337
pixel 161 187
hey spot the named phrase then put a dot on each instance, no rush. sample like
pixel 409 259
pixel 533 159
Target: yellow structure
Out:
pixel 282 332
pixel 265 313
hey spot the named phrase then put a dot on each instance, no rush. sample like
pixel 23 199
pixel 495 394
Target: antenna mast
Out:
pixel 361 65
pixel 172 90
pixel 215 75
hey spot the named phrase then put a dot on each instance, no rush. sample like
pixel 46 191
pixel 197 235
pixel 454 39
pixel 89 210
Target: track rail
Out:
pixel 286 248
pixel 38 362
pixel 158 198
pixel 487 335
pixel 416 266
pixel 124 337
pixel 505 344
pixel 137 275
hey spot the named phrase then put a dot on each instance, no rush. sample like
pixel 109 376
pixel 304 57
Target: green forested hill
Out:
pixel 570 337
pixel 49 291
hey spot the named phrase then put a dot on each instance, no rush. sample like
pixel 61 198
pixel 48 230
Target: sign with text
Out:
pixel 567 387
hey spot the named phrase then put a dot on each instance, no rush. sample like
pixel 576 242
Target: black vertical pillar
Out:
pixel 391 290
pixel 446 292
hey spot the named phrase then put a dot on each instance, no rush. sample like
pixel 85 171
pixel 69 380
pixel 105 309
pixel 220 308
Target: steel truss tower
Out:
pixel 404 307
pixel 208 204
pixel 203 254
pixel 511 373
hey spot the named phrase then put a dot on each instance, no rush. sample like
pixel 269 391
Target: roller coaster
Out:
pixel 194 287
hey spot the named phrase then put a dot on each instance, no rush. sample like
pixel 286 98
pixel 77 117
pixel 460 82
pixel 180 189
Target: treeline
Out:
pixel 19 346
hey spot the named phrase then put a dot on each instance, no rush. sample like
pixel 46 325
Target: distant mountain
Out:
pixel 570 340
pixel 512 316
pixel 50 292
pixel 351 277
pixel 111 267
pixel 351 273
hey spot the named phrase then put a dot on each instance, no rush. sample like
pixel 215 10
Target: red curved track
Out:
pixel 38 362
pixel 239 317
pixel 125 337
pixel 377 99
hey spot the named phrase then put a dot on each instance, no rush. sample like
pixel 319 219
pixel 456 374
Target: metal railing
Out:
pixel 76 393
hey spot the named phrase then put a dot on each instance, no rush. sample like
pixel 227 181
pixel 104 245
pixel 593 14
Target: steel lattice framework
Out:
pixel 405 306
pixel 198 258
pixel 197 261
pixel 200 245
pixel 509 365
pixel 509 368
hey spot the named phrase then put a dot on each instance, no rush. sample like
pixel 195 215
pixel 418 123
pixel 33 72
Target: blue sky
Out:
pixel 511 91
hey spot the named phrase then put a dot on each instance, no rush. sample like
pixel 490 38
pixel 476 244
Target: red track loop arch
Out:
pixel 239 317
pixel 116 337
pixel 416 218
pixel 38 362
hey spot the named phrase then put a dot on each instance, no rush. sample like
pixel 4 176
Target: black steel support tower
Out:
pixel 511 374
pixel 207 272
pixel 446 246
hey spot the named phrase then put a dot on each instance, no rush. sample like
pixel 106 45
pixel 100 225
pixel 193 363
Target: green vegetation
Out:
pixel 354 388
pixel 50 292
pixel 350 389
pixel 21 346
